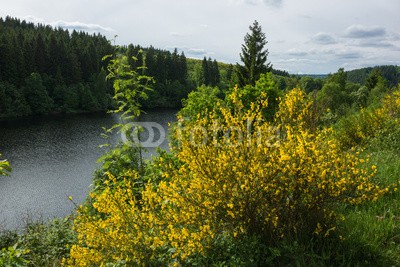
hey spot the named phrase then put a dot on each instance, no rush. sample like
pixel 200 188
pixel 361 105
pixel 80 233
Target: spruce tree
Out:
pixel 205 72
pixel 253 56
pixel 183 70
pixel 216 74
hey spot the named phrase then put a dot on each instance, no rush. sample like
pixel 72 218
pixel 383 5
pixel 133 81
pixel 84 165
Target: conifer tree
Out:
pixel 205 77
pixel 254 56
pixel 216 74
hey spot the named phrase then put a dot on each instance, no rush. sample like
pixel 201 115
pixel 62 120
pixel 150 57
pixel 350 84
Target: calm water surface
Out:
pixel 53 158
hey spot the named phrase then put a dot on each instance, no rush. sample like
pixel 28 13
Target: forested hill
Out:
pixel 45 70
pixel 389 72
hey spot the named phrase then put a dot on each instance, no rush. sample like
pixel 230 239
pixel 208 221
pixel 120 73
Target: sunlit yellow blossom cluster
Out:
pixel 238 174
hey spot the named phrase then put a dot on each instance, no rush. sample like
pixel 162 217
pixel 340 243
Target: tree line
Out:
pixel 46 70
pixel 51 70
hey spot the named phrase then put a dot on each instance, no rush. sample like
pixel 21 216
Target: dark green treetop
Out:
pixel 254 56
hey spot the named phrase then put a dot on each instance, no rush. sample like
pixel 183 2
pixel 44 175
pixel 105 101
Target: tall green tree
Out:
pixel 373 79
pixel 254 56
pixel 216 76
pixel 40 54
pixel 205 72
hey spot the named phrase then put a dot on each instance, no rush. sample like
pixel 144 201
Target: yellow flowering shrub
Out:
pixel 391 104
pixel 237 175
pixel 370 123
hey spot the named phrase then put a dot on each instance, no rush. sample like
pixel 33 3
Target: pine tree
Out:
pixel 40 54
pixel 216 74
pixel 183 71
pixel 150 62
pixel 253 56
pixel 205 72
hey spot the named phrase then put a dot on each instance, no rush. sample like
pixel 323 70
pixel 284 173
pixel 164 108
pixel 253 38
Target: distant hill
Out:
pixel 389 72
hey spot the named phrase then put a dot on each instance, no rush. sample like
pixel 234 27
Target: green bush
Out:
pixel 13 257
pixel 37 244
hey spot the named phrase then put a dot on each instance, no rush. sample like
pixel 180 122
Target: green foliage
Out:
pixel 240 251
pixel 118 161
pixel 367 124
pixel 48 242
pixel 264 86
pixel 253 56
pixel 38 243
pixel 41 66
pixel 331 97
pixel 5 167
pixel 309 84
pixel 36 95
pixel 372 231
pixel 199 102
pixel 390 73
pixel 13 257
pixel 130 86
pixel 210 75
pixel 360 96
pixel 12 101
pixel 169 71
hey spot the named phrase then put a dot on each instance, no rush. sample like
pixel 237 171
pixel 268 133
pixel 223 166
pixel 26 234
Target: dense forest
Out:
pixel 45 70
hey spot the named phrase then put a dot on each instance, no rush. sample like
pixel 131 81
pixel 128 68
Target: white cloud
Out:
pixel 298 60
pixel 361 31
pixel 34 19
pixel 348 54
pixel 273 3
pixel 68 25
pixel 196 51
pixel 323 38
pixel 296 52
pixel 377 44
pixel 276 3
pixel 80 26
pixel 176 34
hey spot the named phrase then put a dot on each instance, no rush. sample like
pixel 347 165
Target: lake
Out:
pixel 54 157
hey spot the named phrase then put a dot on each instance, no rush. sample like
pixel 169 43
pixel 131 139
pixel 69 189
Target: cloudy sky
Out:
pixel 305 36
